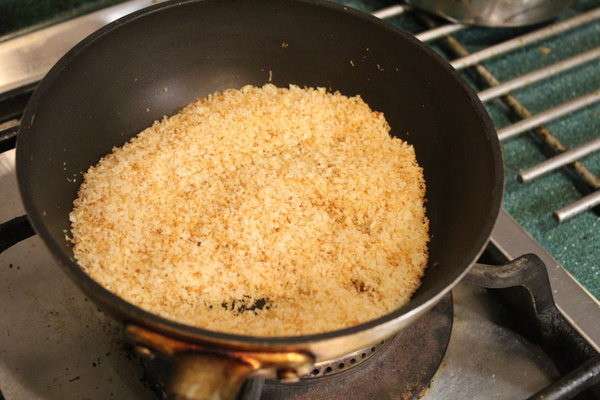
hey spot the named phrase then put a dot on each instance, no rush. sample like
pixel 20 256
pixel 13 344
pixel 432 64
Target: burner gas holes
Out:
pixel 343 363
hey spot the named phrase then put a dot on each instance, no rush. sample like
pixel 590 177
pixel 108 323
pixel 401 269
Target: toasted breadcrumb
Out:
pixel 264 211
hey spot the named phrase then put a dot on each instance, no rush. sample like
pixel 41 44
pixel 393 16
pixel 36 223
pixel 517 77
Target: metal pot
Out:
pixel 495 13
pixel 98 96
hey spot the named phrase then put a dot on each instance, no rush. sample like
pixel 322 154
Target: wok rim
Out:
pixel 130 313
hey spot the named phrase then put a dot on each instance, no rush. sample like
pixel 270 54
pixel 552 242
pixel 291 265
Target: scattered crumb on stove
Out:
pixel 545 50
pixel 284 45
pixel 352 63
pixel 263 211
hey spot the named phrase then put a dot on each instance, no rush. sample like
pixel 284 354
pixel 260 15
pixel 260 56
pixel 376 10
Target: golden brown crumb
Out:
pixel 263 211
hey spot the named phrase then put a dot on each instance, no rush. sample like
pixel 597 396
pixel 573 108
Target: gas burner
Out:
pixel 400 368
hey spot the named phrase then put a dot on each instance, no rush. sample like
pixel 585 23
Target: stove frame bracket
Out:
pixel 554 332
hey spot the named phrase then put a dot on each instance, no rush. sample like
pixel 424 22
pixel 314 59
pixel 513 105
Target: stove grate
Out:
pixel 561 156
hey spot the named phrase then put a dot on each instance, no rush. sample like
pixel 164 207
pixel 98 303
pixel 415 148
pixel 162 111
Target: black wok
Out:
pixel 112 85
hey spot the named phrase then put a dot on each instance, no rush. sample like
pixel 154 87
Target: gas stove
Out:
pixel 477 343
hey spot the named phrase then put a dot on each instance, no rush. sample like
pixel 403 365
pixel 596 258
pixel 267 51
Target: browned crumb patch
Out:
pixel 264 211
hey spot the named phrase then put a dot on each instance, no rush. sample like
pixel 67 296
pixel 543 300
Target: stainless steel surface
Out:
pixel 548 115
pixel 526 39
pixel 391 11
pixel 539 74
pixel 436 33
pixel 27 58
pixel 54 344
pixel 558 161
pixel 485 360
pixel 577 305
pixel 577 207
pixel 503 13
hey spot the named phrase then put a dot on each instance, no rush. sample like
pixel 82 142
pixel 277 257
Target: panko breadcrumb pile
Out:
pixel 264 211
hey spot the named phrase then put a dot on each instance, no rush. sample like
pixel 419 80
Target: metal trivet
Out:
pixel 401 368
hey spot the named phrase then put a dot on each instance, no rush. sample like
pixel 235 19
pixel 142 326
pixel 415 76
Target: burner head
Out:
pixel 399 368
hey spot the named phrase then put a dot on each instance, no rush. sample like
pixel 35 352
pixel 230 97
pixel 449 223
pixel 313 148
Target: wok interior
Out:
pixel 140 71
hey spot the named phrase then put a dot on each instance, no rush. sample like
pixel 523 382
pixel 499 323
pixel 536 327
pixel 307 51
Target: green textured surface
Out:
pixel 576 243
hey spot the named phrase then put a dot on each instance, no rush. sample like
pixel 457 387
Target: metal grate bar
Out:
pixel 392 11
pixel 524 40
pixel 538 75
pixel 551 164
pixel 548 115
pixel 510 101
pixel 440 32
pixel 581 205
